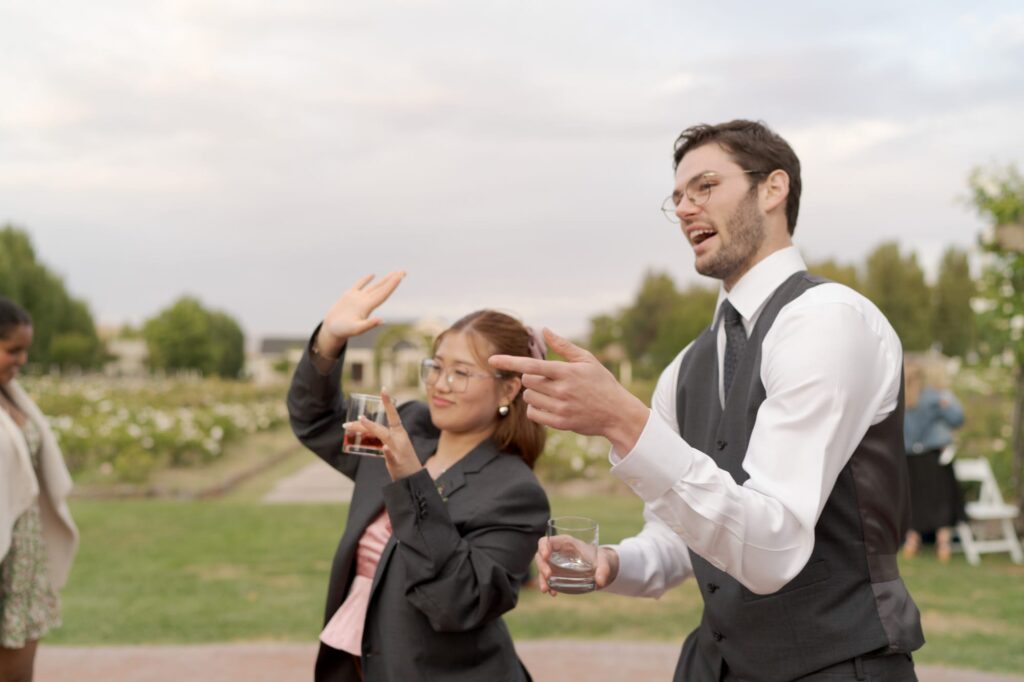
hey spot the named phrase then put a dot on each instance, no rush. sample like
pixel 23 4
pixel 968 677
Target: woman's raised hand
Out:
pixel 351 313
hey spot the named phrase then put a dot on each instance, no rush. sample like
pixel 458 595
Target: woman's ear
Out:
pixel 510 389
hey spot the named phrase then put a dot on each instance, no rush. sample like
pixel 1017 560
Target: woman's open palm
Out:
pixel 351 314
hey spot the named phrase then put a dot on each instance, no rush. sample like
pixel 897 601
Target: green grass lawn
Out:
pixel 233 570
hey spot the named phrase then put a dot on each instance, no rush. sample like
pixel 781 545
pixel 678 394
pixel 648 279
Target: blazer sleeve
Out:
pixel 460 582
pixel 316 409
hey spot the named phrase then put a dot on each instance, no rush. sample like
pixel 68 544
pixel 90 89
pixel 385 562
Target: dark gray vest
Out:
pixel 849 599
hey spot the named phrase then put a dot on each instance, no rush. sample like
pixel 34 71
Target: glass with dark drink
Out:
pixel 354 442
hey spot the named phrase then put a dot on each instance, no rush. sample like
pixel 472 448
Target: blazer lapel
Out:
pixel 455 478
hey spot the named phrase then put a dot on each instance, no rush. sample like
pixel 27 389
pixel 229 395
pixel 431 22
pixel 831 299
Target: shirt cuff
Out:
pixel 629 581
pixel 659 459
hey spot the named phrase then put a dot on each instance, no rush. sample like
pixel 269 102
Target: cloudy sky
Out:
pixel 512 154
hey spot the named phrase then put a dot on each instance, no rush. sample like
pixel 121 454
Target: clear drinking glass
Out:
pixel 371 407
pixel 573 541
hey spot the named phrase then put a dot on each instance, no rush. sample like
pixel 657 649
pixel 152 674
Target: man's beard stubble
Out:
pixel 746 231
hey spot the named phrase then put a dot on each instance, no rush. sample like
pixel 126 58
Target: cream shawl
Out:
pixel 19 487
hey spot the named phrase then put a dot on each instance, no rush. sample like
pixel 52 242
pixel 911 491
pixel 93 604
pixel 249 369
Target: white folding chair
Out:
pixel 984 513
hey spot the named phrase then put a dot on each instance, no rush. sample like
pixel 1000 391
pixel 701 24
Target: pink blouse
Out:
pixel 344 630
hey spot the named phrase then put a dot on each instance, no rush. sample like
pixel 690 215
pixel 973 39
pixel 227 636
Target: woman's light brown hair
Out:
pixel 494 333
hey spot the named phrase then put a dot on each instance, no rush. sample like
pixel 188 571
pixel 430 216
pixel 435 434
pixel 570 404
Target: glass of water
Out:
pixel 573 541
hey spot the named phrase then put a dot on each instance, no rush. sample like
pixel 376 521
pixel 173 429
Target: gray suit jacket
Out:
pixel 461 546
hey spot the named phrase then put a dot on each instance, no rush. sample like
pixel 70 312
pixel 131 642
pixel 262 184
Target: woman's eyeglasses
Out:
pixel 457 378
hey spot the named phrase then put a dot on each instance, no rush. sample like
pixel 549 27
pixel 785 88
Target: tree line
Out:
pixel 184 336
pixel 662 318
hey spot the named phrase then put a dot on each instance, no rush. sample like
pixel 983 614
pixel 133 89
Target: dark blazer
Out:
pixel 460 548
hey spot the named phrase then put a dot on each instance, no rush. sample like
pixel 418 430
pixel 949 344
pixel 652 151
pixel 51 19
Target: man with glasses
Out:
pixel 770 462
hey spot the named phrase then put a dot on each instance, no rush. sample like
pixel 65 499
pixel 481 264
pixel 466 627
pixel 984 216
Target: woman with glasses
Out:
pixel 442 528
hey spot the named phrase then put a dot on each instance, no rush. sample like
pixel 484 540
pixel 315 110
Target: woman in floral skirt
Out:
pixel 38 539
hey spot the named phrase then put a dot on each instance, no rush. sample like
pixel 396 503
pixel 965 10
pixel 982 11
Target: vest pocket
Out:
pixel 813 573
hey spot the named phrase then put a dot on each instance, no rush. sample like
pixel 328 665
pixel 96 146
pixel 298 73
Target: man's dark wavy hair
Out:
pixel 754 146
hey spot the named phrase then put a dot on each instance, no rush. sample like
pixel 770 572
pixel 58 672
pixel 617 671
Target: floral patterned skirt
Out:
pixel 29 606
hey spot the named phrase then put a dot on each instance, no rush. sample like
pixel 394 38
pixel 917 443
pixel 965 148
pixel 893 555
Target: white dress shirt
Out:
pixel 831 367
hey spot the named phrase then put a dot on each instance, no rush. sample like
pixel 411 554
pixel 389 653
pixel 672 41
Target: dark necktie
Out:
pixel 735 341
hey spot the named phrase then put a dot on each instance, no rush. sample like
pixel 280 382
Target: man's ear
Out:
pixel 775 190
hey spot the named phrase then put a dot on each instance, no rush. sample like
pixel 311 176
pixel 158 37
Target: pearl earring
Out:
pixel 503 410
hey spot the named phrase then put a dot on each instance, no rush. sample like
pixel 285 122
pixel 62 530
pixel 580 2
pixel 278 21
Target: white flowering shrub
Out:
pixel 124 429
pixel 569 456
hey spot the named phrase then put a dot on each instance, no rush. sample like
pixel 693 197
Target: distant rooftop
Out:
pixel 276 345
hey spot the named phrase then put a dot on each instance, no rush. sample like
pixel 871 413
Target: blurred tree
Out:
pixel 68 349
pixel 187 336
pixel 605 331
pixel 642 320
pixel 842 274
pixel 127 331
pixel 896 285
pixel 604 340
pixel 228 345
pixel 692 313
pixel 998 195
pixel 952 316
pixel 64 332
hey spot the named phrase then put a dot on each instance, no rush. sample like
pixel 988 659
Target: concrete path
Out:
pixel 277 662
pixel 314 483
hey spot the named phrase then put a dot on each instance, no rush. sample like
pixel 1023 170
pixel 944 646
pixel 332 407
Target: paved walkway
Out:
pixel 315 483
pixel 276 662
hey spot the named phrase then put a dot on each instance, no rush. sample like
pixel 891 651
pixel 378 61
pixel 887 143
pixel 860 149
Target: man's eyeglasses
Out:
pixel 456 377
pixel 698 191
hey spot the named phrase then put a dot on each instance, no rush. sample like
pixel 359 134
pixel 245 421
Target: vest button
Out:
pixel 720 444
pixel 718 636
pixel 712 587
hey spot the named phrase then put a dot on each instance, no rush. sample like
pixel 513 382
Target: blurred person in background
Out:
pixel 38 538
pixel 932 413
pixel 442 528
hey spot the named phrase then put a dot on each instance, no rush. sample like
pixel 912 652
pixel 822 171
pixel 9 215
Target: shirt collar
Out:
pixel 754 288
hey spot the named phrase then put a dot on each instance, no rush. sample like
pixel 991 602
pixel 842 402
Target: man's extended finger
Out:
pixel 552 369
pixel 537 382
pixel 542 401
pixel 566 348
pixel 546 418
